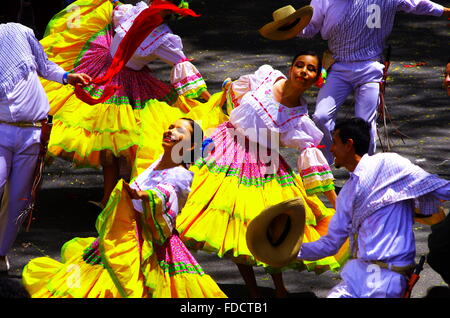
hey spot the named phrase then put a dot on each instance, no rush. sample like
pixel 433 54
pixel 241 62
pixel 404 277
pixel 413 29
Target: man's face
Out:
pixel 447 79
pixel 340 151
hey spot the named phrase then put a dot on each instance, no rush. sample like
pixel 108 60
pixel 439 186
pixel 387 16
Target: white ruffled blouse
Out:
pixel 171 185
pixel 255 110
pixel 161 44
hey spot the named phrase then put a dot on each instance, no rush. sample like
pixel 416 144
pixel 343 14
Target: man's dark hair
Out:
pixel 356 129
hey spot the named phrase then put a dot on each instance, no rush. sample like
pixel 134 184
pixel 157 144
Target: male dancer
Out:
pixel 356 32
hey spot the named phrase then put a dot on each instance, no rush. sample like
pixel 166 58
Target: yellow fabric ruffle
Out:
pixel 79 136
pixel 129 266
pixel 138 270
pixel 80 130
pixel 219 209
pixel 45 277
pixel 71 28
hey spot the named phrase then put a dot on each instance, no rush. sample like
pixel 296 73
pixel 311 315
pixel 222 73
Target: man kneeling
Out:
pixel 375 209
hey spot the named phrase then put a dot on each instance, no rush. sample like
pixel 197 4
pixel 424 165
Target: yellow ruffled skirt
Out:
pixel 79 41
pixel 124 261
pixel 230 188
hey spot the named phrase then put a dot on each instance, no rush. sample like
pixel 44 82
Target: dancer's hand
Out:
pixel 135 194
pixel 446 12
pixel 79 79
pixel 205 95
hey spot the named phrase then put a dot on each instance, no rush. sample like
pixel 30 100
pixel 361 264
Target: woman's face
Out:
pixel 304 71
pixel 180 130
pixel 447 79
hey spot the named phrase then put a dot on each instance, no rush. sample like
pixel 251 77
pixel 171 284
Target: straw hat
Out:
pixel 287 23
pixel 274 237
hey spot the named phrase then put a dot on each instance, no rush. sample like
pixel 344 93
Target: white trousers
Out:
pixel 363 79
pixel 365 280
pixel 19 149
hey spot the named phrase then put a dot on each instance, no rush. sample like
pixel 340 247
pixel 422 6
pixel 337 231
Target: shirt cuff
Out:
pixel 64 79
pixel 56 75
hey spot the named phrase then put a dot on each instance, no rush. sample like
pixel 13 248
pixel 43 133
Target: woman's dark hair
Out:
pixel 356 129
pixel 319 65
pixel 196 140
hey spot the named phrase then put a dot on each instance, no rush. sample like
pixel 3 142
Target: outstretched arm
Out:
pixel 422 7
pixel 331 243
pixel 446 12
pixel 315 25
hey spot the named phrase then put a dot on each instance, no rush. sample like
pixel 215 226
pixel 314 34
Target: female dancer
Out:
pixel 137 253
pixel 244 172
pixel 114 43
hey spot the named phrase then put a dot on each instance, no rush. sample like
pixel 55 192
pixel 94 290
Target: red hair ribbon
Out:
pixel 314 146
pixel 142 26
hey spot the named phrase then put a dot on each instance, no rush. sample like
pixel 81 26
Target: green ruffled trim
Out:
pixel 284 181
pixel 196 93
pixel 193 91
pixel 152 212
pixel 82 164
pixel 320 189
pixel 101 224
pixel 148 238
pixel 82 125
pixel 169 98
pixel 191 83
pixel 316 174
pixel 181 268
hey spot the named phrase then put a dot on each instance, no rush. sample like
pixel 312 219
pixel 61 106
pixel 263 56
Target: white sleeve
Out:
pixel 171 49
pixel 315 25
pixel 305 135
pixel 247 83
pixel 120 14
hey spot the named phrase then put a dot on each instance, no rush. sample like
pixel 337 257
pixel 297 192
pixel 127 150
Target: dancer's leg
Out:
pixel 280 289
pixel 111 172
pixel 331 96
pixel 248 275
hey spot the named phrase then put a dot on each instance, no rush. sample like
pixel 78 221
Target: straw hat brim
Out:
pixel 272 30
pixel 286 252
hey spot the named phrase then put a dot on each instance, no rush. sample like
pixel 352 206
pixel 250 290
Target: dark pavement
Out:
pixel 225 43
